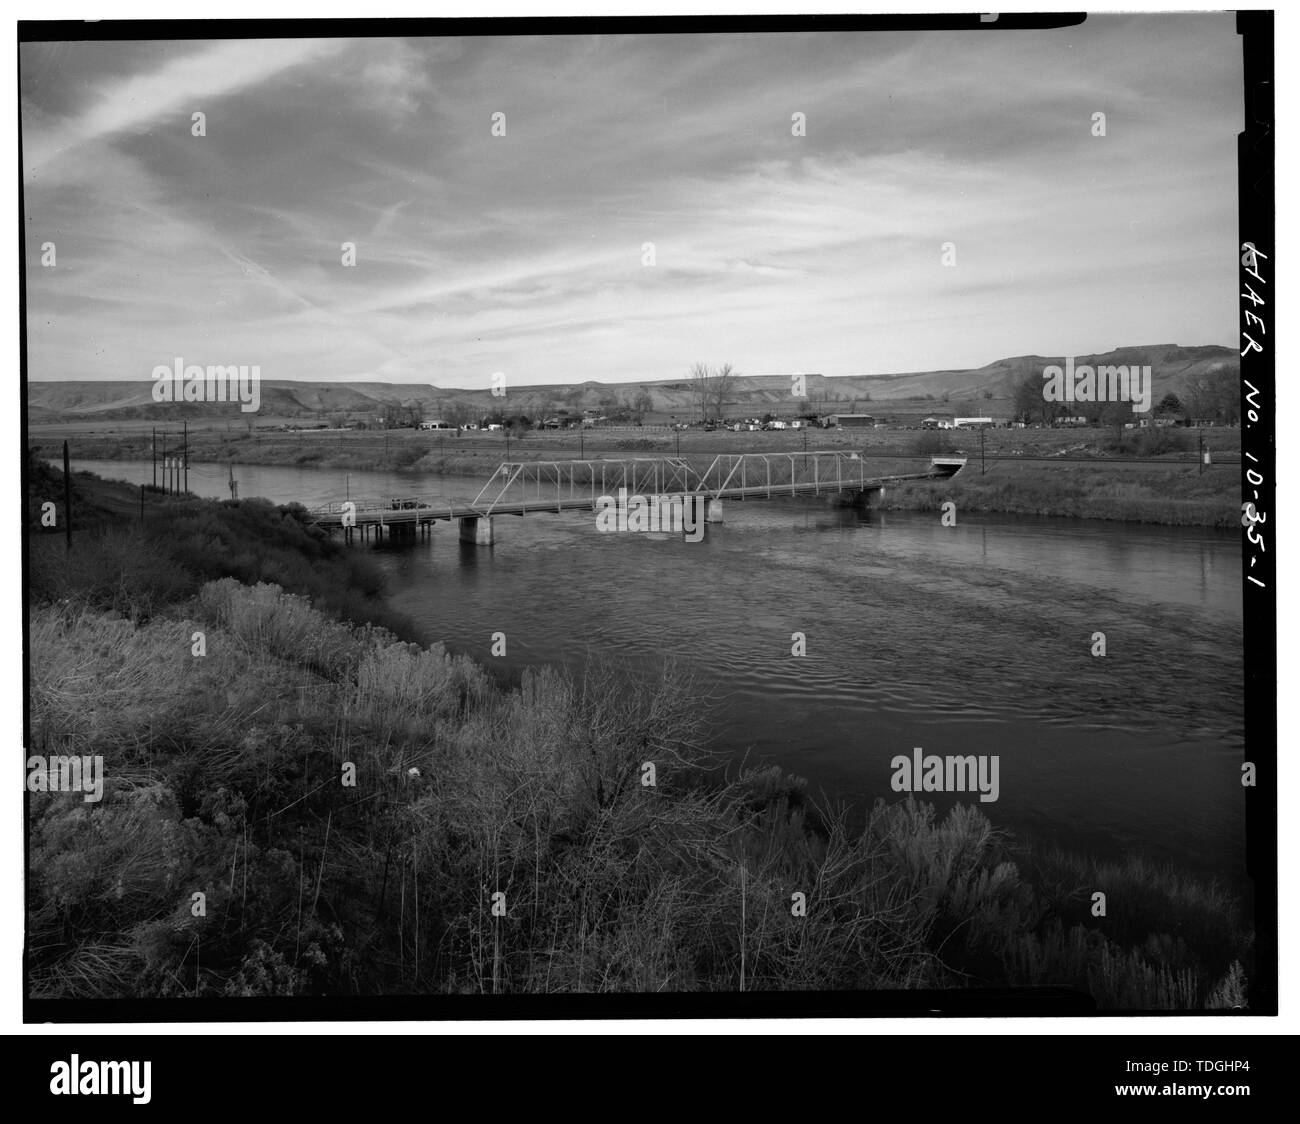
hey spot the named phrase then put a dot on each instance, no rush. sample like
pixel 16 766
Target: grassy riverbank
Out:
pixel 227 776
pixel 1156 493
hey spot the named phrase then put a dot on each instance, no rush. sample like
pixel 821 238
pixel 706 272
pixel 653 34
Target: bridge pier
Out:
pixel 713 511
pixel 476 529
pixel 869 496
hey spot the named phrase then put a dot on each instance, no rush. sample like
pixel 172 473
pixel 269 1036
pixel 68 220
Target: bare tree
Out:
pixel 457 413
pixel 1030 404
pixel 642 404
pixel 724 381
pixel 711 387
pixel 699 375
pixel 1214 394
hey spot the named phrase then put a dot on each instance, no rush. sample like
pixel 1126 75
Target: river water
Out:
pixel 973 639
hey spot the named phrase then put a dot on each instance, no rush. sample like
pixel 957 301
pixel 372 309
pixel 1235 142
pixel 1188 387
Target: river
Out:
pixel 973 639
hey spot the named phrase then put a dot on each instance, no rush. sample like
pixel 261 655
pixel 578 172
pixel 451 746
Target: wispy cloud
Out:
pixel 525 253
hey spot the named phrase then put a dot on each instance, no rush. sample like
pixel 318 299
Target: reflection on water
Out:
pixel 974 639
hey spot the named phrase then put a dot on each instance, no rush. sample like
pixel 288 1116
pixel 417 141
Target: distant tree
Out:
pixel 711 387
pixel 1169 404
pixel 1029 405
pixel 642 404
pixel 457 413
pixel 1115 415
pixel 1215 394
pixel 1226 389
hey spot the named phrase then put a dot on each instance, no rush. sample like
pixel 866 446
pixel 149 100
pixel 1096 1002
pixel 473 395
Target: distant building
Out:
pixel 437 423
pixel 974 423
pixel 859 421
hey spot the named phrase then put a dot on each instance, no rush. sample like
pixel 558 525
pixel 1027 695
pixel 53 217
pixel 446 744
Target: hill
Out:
pixel 1173 368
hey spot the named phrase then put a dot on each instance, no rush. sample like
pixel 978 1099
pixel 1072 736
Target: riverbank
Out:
pixel 228 775
pixel 1156 493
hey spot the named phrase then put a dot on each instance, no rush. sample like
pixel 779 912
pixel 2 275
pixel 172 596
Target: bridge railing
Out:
pixel 365 505
pixel 547 483
pixel 792 472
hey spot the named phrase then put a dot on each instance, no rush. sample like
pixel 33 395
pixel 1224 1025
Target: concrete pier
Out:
pixel 476 529
pixel 868 497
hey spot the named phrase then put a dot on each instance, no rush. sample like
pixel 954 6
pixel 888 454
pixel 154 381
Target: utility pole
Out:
pixel 1200 451
pixel 67 496
pixel 185 453
pixel 981 450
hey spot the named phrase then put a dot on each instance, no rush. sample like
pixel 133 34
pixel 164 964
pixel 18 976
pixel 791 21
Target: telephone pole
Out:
pixel 67 496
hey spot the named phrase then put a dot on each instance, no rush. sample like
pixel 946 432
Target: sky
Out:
pixel 526 254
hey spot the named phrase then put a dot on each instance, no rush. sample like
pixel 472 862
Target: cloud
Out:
pixel 523 253
pixel 177 88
